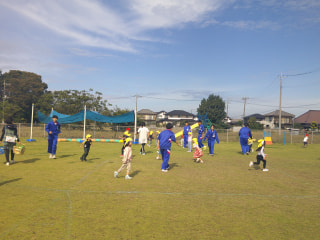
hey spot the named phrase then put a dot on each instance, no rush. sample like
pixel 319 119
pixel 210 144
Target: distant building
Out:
pixel 307 118
pixel 176 117
pixel 148 116
pixel 272 120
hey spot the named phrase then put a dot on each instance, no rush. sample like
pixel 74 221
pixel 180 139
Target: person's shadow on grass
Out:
pixel 10 181
pixel 134 173
pixel 173 165
pixel 65 156
pixel 32 160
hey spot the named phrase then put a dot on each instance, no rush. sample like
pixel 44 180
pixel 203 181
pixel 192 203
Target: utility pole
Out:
pixel 135 118
pixel 3 98
pixel 227 109
pixel 280 104
pixel 244 107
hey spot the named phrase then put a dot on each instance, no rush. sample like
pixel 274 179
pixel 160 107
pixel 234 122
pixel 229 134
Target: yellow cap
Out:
pixel 88 136
pixel 260 141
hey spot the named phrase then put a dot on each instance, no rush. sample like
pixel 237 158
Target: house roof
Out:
pixel 146 111
pixel 179 112
pixel 309 117
pixel 256 115
pixel 276 113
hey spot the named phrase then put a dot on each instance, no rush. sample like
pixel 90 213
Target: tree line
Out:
pixel 20 89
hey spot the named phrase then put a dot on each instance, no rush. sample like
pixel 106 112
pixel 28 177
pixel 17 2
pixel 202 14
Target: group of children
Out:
pixel 165 139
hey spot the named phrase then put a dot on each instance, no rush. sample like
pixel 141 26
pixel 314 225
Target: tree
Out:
pixel 19 90
pixel 73 101
pixel 314 125
pixel 214 107
pixel 253 124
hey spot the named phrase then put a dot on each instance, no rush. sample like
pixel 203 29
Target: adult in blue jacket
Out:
pixel 200 134
pixel 164 144
pixel 186 131
pixel 212 136
pixel 53 130
pixel 244 135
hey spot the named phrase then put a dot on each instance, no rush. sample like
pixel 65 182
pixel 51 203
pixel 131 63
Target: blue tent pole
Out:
pixel 284 138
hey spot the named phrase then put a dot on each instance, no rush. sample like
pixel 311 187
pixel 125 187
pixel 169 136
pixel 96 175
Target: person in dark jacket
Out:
pixel 9 137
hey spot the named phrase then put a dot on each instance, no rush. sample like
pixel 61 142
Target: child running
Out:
pixel 197 151
pixel 125 135
pixel 86 147
pixel 126 161
pixel 164 144
pixel 261 156
pixel 305 140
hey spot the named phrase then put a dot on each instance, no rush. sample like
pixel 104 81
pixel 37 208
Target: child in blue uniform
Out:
pixel 244 135
pixel 212 136
pixel 200 134
pixel 53 130
pixel 164 144
pixel 186 131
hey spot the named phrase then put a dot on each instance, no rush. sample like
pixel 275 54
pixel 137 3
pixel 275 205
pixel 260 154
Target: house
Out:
pixel 307 118
pixel 161 115
pixel 272 119
pixel 177 116
pixel 148 116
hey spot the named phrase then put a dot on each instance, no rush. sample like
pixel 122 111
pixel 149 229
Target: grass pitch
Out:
pixel 222 198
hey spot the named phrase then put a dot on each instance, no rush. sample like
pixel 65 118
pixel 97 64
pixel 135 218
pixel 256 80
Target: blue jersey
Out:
pixel 53 127
pixel 165 138
pixel 186 130
pixel 201 130
pixel 245 133
pixel 212 135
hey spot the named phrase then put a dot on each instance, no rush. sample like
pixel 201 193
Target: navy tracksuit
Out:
pixel 200 132
pixel 212 136
pixel 53 137
pixel 165 138
pixel 186 130
pixel 244 135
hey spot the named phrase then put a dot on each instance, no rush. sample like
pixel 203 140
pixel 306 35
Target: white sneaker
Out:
pixel 265 170
pixel 164 170
pixel 115 174
pixel 54 156
pixel 12 162
pixel 127 177
pixel 251 164
pixel 7 163
pixel 50 155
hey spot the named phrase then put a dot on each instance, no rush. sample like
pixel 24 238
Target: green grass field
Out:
pixel 222 198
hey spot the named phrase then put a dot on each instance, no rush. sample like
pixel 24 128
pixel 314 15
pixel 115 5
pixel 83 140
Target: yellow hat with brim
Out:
pixel 260 141
pixel 88 136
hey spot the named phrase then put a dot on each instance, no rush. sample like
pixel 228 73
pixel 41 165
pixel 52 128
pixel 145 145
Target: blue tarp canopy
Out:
pixel 78 117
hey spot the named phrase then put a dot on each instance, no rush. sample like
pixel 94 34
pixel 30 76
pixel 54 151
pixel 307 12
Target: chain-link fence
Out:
pixel 114 132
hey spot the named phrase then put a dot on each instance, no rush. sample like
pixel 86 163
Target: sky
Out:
pixel 170 53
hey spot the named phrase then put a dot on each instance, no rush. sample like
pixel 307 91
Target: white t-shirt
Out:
pixel 305 139
pixel 143 135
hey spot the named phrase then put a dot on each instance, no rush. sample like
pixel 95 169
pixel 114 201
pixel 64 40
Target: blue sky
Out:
pixel 172 53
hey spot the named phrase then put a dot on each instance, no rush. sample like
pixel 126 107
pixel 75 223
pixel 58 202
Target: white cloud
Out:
pixel 95 24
